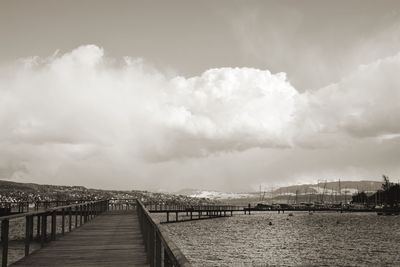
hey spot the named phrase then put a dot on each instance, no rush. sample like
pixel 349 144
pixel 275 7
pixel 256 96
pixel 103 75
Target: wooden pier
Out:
pixel 182 213
pixel 98 233
pixel 111 239
pixel 113 232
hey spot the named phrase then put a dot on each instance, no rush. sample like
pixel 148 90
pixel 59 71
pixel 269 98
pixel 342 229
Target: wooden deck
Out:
pixel 111 239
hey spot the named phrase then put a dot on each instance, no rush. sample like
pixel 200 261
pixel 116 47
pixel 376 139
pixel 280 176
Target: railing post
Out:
pixel 53 225
pixel 80 215
pixel 76 217
pixel 84 213
pixel 38 227
pixel 27 233
pixel 152 244
pixel 63 222
pixel 158 250
pixel 4 241
pixel 31 228
pixel 69 219
pixel 43 231
pixel 167 261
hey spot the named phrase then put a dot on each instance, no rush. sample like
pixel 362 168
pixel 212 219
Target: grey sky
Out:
pixel 87 116
pixel 329 37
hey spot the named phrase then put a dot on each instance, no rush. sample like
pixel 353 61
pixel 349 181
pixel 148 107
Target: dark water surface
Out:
pixel 16 248
pixel 321 239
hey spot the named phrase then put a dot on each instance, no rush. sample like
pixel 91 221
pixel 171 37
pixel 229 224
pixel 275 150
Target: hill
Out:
pixel 15 192
pixel 329 191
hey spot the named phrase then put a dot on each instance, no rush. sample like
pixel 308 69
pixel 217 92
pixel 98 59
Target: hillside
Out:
pixel 329 187
pixel 329 191
pixel 14 192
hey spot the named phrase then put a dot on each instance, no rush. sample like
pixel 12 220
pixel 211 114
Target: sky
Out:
pixel 217 95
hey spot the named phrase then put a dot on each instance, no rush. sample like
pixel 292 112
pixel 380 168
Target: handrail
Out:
pixel 184 207
pixel 161 251
pixel 85 211
pixel 122 204
pixel 25 205
pixel 35 213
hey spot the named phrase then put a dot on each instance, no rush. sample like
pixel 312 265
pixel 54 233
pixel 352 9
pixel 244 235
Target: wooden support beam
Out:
pixel 43 232
pixel 28 220
pixel 62 221
pixel 69 219
pixel 4 241
pixel 53 225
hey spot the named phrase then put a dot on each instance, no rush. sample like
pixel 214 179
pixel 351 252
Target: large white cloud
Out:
pixel 83 98
pixel 365 104
pixel 85 111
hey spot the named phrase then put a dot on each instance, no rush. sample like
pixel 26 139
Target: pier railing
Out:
pixel 187 212
pixel 11 207
pixel 25 206
pixel 122 204
pixel 161 251
pixel 156 207
pixel 79 213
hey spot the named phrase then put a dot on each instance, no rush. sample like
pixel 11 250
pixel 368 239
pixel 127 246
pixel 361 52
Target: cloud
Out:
pixel 84 114
pixel 82 98
pixel 363 104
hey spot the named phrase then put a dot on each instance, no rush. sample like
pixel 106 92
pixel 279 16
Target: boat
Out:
pixel 386 211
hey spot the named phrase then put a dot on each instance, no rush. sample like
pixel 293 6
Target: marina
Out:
pixel 182 238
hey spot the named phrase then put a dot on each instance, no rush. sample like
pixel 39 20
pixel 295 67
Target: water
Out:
pixel 16 248
pixel 321 239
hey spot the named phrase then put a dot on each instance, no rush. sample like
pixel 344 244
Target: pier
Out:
pixel 184 213
pixel 113 232
pixel 111 239
pixel 97 233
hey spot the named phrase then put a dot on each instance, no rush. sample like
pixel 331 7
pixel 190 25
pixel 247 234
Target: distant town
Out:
pixel 355 194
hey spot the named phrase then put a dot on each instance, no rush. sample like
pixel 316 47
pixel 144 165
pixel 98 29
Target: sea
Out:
pixel 272 239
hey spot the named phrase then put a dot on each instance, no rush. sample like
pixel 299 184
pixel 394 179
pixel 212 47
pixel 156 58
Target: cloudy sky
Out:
pixel 223 95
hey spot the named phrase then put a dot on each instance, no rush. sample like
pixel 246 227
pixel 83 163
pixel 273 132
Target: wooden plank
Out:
pixel 110 239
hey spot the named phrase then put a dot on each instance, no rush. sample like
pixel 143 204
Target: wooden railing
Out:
pixel 122 204
pixel 26 206
pixel 46 204
pixel 156 207
pixel 82 213
pixel 187 212
pixel 14 207
pixel 161 251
